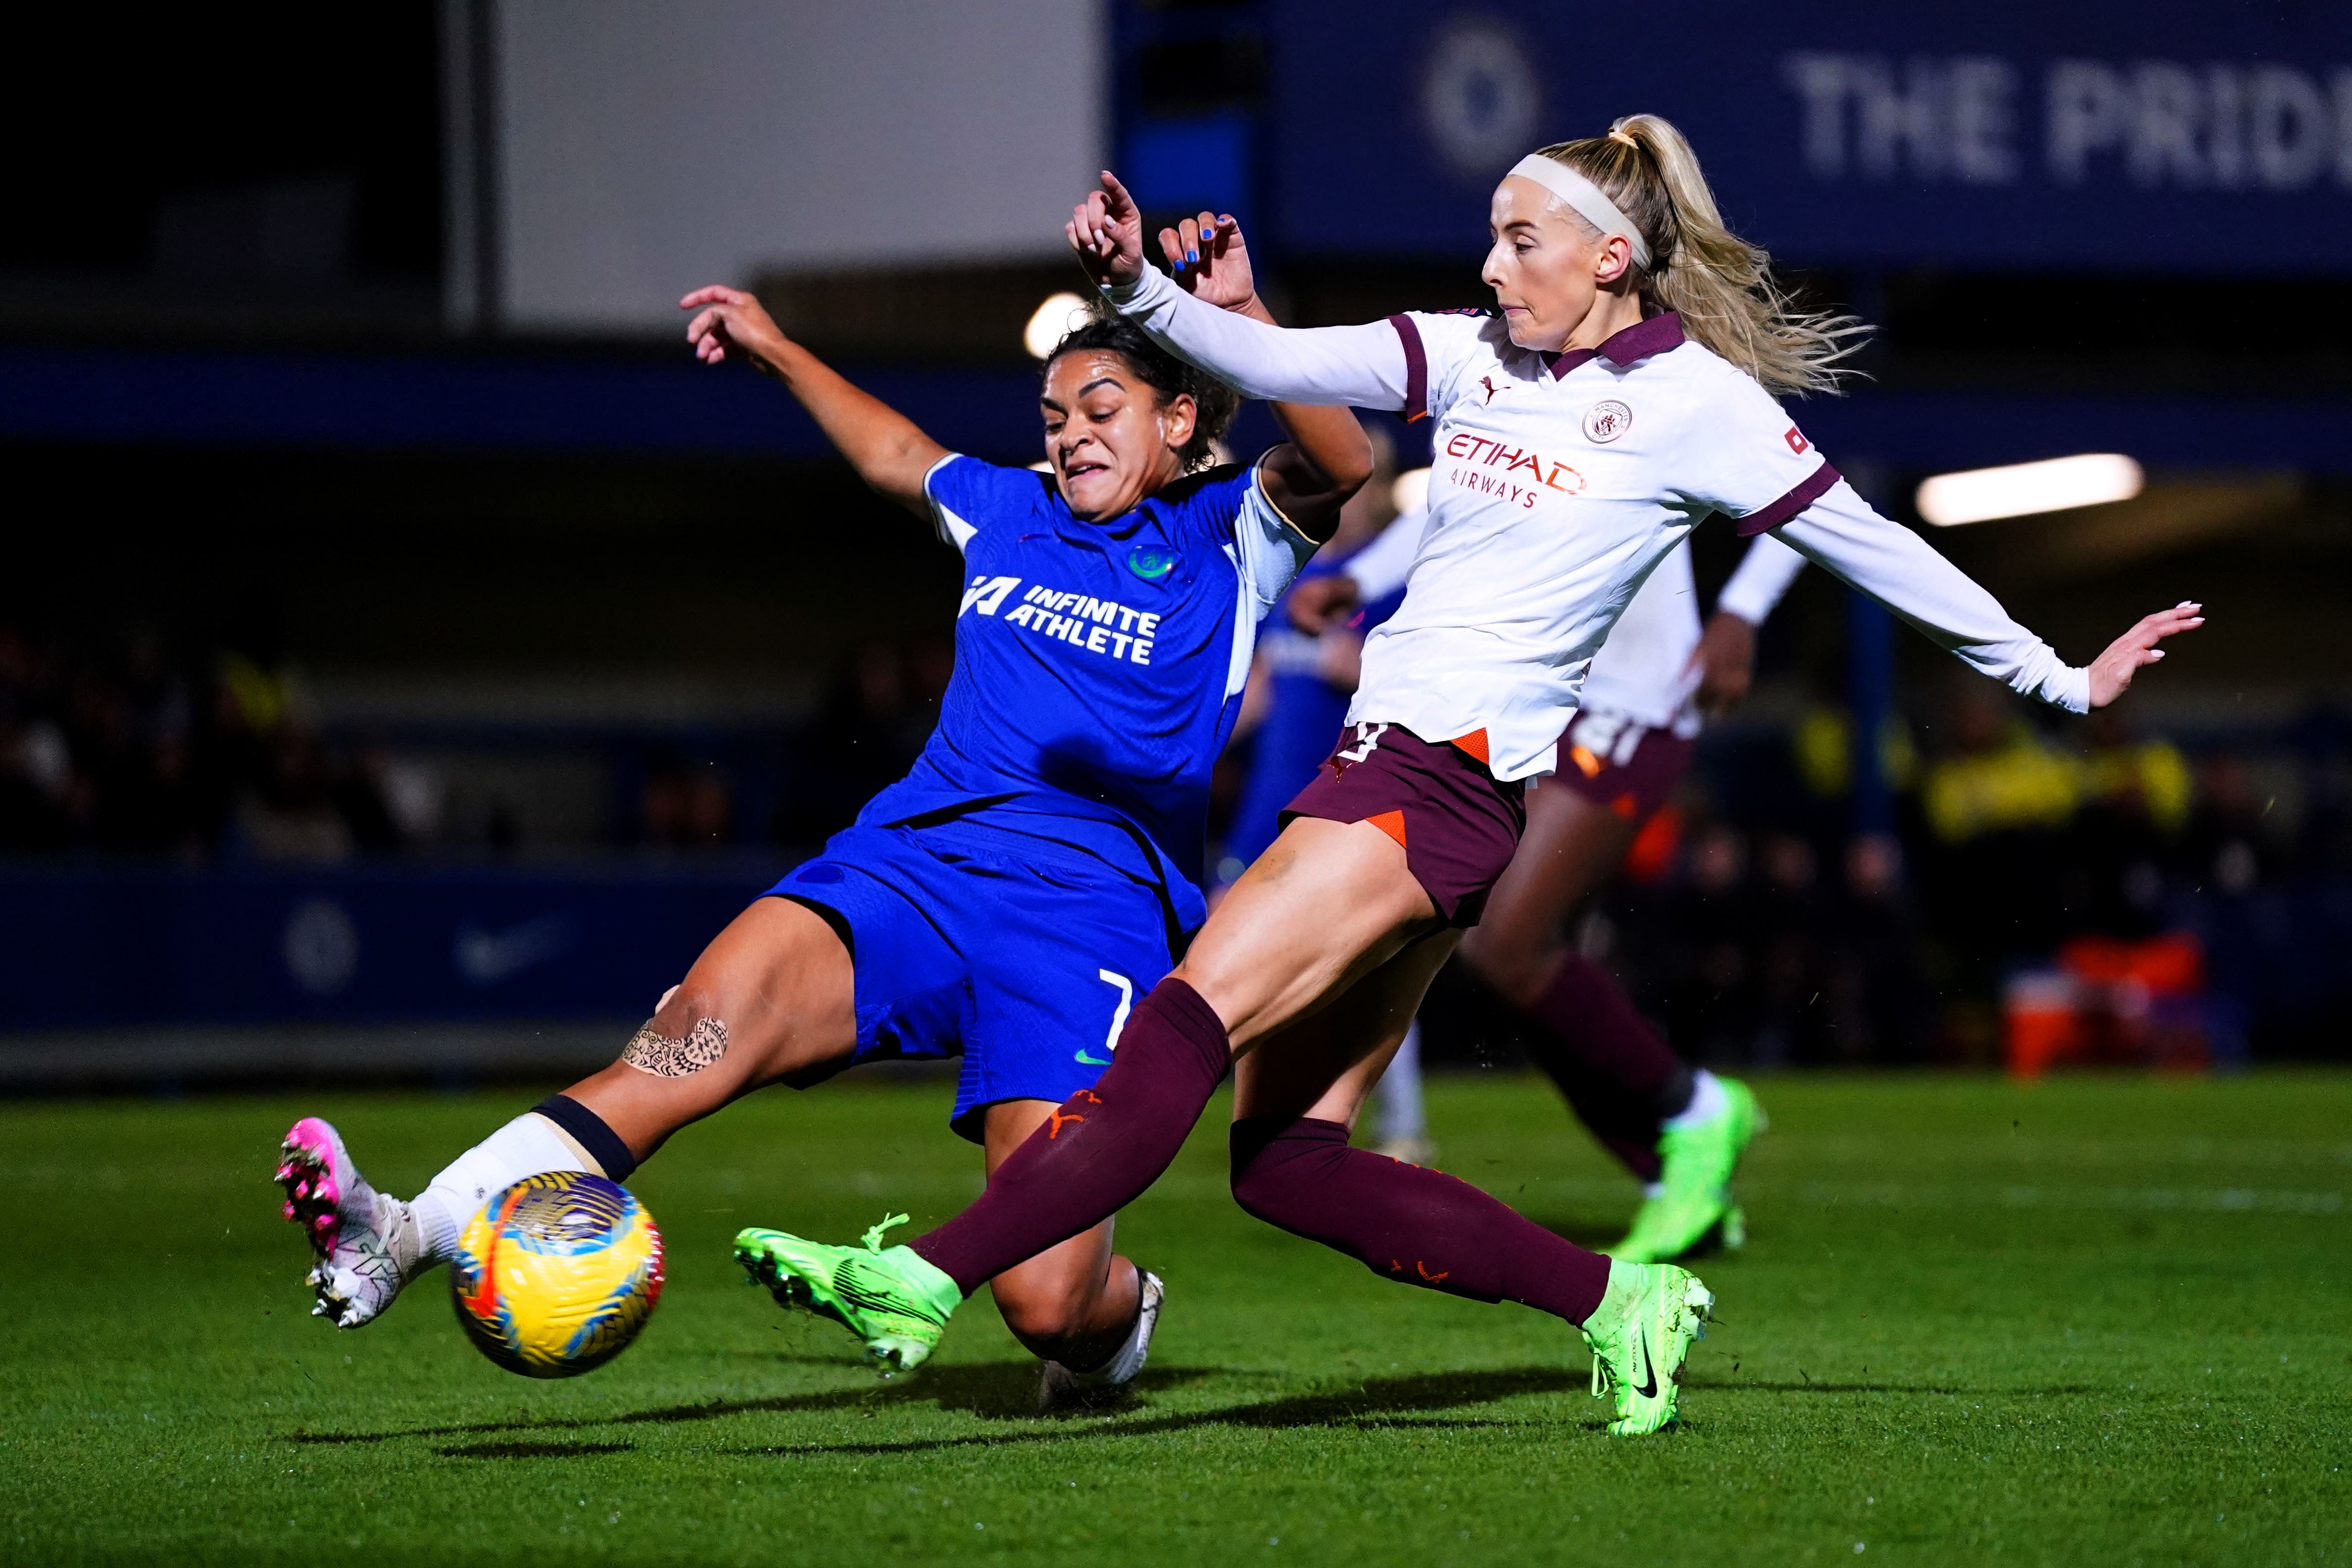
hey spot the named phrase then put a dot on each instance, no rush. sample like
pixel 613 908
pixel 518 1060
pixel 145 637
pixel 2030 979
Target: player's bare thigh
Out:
pixel 1570 847
pixel 1326 905
pixel 1326 1065
pixel 773 997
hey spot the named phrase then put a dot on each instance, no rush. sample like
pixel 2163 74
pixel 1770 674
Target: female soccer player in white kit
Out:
pixel 1621 395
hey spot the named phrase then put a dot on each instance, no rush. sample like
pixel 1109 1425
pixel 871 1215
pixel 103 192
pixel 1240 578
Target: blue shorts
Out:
pixel 966 942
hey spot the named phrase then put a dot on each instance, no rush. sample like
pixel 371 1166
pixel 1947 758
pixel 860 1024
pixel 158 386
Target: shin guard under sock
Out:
pixel 1619 1074
pixel 1100 1150
pixel 1405 1223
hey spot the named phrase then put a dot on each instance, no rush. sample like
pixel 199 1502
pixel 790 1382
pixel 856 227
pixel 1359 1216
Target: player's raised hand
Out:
pixel 1107 231
pixel 1209 256
pixel 730 320
pixel 2112 672
pixel 1725 661
pixel 1317 604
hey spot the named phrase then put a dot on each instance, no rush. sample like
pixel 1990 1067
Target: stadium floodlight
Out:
pixel 1049 320
pixel 1409 493
pixel 2021 489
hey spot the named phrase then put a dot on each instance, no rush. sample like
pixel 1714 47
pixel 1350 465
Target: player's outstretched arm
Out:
pixel 889 451
pixel 1329 457
pixel 1842 533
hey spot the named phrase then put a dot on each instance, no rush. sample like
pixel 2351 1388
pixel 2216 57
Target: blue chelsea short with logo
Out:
pixel 1022 957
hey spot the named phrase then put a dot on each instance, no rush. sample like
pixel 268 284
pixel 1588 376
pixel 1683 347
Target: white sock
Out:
pixel 527 1146
pixel 1398 1094
pixel 1707 1102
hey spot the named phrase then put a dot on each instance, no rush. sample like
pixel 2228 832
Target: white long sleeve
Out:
pixel 1381 567
pixel 1761 578
pixel 1360 367
pixel 1842 534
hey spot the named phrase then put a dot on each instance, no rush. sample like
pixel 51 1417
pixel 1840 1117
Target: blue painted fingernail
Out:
pixel 1192 256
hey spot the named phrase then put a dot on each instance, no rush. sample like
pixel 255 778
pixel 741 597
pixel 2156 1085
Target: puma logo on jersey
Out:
pixel 1488 383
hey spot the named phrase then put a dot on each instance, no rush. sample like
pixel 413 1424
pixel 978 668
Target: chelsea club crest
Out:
pixel 1152 563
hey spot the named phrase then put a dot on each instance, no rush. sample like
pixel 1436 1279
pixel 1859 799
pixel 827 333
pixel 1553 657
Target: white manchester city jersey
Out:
pixel 1558 483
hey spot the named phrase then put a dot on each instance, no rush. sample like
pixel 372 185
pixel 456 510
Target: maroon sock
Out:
pixel 1421 1226
pixel 1621 1077
pixel 1101 1149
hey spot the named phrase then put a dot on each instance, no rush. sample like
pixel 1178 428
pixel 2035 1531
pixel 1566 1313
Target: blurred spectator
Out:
pixel 1996 802
pixel 2136 795
pixel 146 748
pixel 2223 844
pixel 688 804
pixel 1879 1004
pixel 1789 924
pixel 868 734
pixel 1699 948
pixel 287 811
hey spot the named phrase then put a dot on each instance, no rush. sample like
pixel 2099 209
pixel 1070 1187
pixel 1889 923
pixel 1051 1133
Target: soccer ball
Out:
pixel 556 1274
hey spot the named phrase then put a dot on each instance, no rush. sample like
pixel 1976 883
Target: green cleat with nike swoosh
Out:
pixel 888 1297
pixel 1639 1338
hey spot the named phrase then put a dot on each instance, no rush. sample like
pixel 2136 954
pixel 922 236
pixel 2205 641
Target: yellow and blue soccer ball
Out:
pixel 556 1274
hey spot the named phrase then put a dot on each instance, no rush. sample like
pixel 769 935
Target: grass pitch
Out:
pixel 2094 1321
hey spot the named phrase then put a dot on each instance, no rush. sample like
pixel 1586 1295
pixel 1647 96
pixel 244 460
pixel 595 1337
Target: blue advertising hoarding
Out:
pixel 2210 138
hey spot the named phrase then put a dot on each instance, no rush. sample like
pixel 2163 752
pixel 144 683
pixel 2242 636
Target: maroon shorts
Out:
pixel 1458 825
pixel 1621 763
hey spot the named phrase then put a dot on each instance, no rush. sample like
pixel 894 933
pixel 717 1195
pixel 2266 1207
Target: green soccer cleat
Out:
pixel 891 1299
pixel 1639 1338
pixel 1692 1196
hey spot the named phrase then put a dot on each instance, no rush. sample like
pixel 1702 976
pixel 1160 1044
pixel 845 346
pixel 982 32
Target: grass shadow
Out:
pixel 2059 1391
pixel 533 1450
pixel 1387 1402
pixel 996 1391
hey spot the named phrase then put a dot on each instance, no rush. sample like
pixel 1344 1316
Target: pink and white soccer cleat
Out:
pixel 366 1242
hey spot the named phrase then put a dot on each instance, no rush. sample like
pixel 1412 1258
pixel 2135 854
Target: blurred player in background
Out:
pixel 1009 898
pixel 1680 1130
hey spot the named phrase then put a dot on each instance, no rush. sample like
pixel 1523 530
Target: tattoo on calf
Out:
pixel 649 1050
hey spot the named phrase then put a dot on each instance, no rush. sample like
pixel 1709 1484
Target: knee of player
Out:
pixel 1273 1159
pixel 1041 1318
pixel 1516 969
pixel 1257 1187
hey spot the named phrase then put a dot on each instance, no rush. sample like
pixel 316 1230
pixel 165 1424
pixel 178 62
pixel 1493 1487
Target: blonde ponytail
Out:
pixel 1720 285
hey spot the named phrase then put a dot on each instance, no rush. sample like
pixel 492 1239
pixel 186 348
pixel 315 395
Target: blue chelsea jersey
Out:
pixel 1304 716
pixel 1099 666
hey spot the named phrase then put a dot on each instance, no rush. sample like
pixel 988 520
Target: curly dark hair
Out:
pixel 1165 374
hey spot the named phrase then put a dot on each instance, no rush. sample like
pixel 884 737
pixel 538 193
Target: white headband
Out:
pixel 1585 196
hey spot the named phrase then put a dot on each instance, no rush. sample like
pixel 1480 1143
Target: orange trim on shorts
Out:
pixel 1390 822
pixel 1473 743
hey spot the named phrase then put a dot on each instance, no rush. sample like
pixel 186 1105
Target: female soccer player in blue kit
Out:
pixel 1034 874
